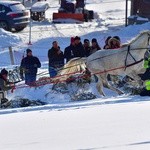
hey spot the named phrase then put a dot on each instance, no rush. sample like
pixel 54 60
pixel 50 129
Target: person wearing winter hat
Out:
pixel 114 43
pixel 29 66
pixel 5 85
pixel 68 52
pixel 95 46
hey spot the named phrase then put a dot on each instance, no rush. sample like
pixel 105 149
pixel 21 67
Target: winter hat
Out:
pixel 77 38
pixel 113 39
pixel 28 51
pixel 94 40
pixel 4 71
pixel 72 39
pixel 86 41
pixel 117 37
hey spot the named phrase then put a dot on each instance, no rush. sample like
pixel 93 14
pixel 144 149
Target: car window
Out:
pixel 2 9
pixel 17 7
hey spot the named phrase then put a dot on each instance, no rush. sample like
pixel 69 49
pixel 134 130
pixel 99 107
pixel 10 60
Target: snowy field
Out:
pixel 110 123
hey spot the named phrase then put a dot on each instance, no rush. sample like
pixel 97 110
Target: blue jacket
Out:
pixel 30 64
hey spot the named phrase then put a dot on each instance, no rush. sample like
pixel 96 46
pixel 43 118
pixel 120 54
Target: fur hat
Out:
pixel 28 50
pixel 113 39
pixel 117 37
pixel 4 71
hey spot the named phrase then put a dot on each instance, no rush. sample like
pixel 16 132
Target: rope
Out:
pixel 51 80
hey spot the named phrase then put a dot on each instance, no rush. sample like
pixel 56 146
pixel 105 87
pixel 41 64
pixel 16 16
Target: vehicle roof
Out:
pixel 7 3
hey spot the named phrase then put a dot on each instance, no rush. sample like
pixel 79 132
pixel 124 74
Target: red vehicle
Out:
pixel 76 12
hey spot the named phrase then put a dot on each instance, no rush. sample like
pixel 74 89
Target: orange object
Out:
pixel 58 16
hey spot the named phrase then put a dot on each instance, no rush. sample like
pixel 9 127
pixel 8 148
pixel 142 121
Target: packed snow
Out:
pixel 112 122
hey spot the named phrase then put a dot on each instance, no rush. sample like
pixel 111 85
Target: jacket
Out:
pixel 55 60
pixel 30 64
pixel 78 50
pixel 4 84
pixel 68 53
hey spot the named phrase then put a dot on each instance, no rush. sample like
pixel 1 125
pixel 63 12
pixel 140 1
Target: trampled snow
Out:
pixel 111 123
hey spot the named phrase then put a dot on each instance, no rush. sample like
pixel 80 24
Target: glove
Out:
pixel 13 88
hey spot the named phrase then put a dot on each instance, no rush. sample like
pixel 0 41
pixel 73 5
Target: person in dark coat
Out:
pixel 56 59
pixel 95 46
pixel 5 85
pixel 68 52
pixel 80 4
pixel 29 66
pixel 87 47
pixel 68 6
pixel 78 50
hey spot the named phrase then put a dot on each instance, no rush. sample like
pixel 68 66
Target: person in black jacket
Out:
pixel 56 59
pixel 78 50
pixel 29 66
pixel 87 47
pixel 68 52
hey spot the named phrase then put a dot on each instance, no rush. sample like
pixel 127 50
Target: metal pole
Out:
pixel 30 32
pixel 126 14
pixel 11 55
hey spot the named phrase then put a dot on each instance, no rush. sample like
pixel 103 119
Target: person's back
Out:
pixel 68 52
pixel 80 4
pixel 67 6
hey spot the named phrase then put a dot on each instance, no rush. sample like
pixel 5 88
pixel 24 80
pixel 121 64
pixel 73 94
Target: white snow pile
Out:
pixel 8 39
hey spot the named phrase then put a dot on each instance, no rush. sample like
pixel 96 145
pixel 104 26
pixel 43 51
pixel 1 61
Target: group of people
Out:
pixel 57 58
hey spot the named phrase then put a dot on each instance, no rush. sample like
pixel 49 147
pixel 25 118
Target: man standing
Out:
pixel 56 59
pixel 87 47
pixel 68 52
pixel 78 50
pixel 29 66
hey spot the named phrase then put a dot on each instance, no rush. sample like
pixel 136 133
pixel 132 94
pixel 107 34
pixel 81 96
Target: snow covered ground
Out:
pixel 111 123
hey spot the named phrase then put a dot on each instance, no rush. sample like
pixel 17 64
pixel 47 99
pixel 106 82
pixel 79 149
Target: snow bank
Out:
pixel 8 39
